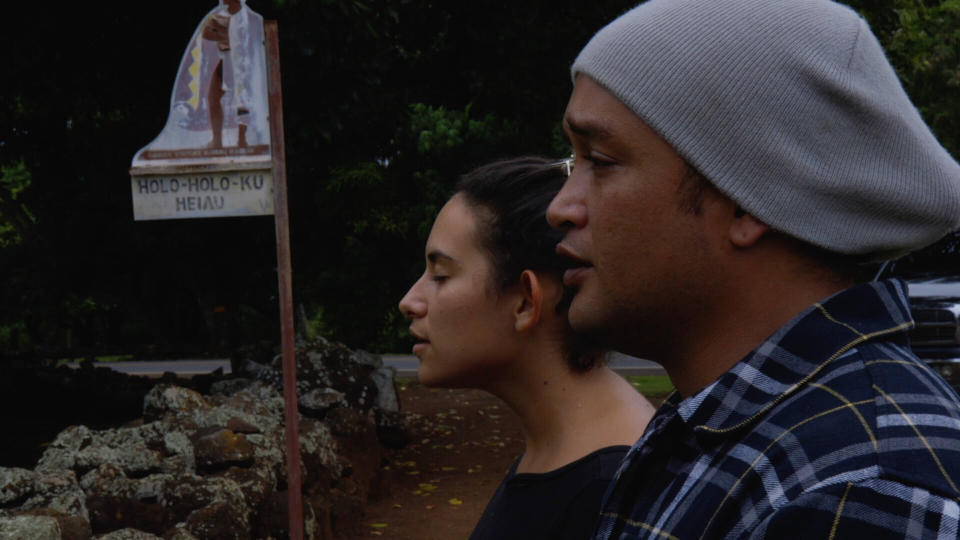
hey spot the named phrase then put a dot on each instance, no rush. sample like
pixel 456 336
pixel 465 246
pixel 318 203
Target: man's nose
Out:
pixel 567 209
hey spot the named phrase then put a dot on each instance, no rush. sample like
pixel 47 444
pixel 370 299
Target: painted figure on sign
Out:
pixel 219 105
pixel 233 28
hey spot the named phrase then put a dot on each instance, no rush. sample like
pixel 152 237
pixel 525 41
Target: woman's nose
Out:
pixel 412 305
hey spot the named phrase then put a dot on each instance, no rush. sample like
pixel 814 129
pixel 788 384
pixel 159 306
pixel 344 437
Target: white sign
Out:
pixel 203 195
pixel 213 157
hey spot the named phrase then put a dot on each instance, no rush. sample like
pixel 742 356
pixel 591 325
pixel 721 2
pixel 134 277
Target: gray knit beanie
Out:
pixel 789 108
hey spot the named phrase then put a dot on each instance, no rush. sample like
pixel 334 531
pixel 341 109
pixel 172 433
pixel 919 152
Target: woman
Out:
pixel 489 313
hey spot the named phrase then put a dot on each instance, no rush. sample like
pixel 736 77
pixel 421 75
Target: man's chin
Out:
pixel 598 327
pixel 583 318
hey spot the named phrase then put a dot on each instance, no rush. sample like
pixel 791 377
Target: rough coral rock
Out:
pixel 81 449
pixel 213 464
pixel 128 534
pixel 317 401
pixel 58 491
pixel 30 527
pixel 16 485
pixel 218 448
pixel 167 398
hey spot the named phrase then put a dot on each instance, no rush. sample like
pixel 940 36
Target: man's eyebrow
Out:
pixel 586 128
pixel 436 255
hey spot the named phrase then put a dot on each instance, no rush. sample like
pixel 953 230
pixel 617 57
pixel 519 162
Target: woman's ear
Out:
pixel 745 229
pixel 526 312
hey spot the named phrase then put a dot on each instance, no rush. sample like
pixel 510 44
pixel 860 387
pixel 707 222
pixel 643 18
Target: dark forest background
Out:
pixel 385 103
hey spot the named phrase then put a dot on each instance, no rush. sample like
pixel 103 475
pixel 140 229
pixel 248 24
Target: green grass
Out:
pixel 115 358
pixel 652 386
pixel 403 382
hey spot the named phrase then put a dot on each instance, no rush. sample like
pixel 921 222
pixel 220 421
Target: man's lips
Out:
pixel 579 266
pixel 575 276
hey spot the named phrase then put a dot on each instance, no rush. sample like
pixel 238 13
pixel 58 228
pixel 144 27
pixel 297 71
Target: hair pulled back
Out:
pixel 512 196
pixel 511 199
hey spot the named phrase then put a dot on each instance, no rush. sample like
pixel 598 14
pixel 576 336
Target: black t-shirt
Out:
pixel 563 503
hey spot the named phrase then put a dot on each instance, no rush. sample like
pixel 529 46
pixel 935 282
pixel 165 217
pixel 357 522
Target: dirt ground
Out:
pixel 465 441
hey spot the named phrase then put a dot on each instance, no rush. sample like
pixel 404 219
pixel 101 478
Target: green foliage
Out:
pixel 922 41
pixel 386 207
pixel 926 50
pixel 437 129
pixel 13 336
pixel 15 218
pixel 386 103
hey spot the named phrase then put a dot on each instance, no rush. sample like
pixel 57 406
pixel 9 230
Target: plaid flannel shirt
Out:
pixel 829 429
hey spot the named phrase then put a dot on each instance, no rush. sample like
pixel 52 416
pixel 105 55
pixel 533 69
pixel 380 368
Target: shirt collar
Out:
pixel 789 358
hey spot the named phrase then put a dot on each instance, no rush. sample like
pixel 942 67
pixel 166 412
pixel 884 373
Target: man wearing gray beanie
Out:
pixel 736 161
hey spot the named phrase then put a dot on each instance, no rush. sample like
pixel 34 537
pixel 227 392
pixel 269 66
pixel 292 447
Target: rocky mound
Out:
pixel 208 461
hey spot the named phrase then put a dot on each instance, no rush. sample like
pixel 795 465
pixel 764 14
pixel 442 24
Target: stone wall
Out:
pixel 212 465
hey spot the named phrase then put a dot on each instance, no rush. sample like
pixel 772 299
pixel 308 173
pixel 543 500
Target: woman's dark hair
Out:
pixel 511 198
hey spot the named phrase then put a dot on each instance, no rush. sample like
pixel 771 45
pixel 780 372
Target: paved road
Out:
pixel 156 368
pixel 405 364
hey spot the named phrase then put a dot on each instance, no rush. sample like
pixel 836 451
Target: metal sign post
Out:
pixel 294 496
pixel 221 153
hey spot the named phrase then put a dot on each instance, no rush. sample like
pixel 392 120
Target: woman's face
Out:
pixel 464 329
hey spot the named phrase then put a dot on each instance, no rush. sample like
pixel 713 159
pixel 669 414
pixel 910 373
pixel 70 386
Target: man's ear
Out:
pixel 746 230
pixel 526 312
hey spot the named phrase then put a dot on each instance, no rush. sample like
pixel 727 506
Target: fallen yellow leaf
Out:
pixel 448 469
pixel 378 525
pixel 455 501
pixel 397 505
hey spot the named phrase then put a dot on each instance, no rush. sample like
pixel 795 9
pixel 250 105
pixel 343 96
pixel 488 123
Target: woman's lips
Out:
pixel 420 343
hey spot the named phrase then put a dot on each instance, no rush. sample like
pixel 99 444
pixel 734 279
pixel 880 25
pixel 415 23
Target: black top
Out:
pixel 563 503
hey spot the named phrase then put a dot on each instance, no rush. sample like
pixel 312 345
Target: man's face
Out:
pixel 642 260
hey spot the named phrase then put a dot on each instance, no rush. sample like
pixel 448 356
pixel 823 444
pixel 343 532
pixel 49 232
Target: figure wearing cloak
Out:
pixel 220 93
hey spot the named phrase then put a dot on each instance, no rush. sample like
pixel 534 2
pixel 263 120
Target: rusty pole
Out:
pixel 291 414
